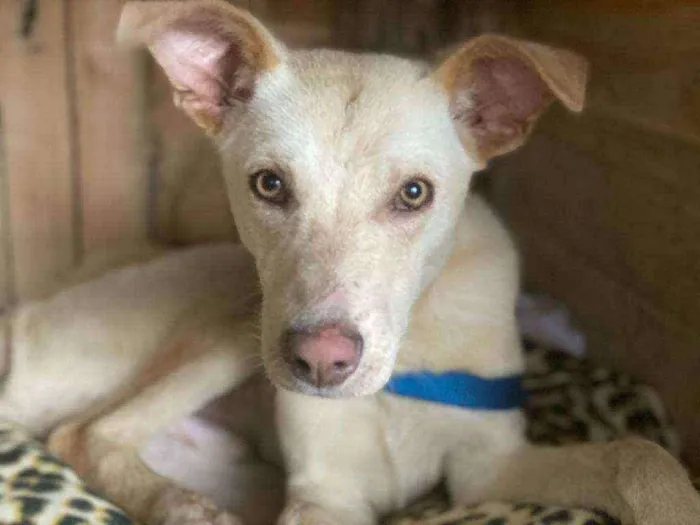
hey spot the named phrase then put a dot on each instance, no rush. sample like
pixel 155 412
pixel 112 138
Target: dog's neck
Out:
pixel 465 319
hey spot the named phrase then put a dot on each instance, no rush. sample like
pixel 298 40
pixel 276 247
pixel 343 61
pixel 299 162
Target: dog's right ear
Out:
pixel 498 86
pixel 213 53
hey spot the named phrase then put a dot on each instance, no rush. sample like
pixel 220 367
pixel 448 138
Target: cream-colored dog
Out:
pixel 348 177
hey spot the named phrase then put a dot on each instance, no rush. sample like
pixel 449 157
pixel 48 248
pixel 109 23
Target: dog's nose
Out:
pixel 325 356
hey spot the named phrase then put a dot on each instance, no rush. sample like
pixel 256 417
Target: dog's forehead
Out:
pixel 345 82
pixel 356 108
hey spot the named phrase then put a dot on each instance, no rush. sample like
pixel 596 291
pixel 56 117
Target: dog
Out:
pixel 376 292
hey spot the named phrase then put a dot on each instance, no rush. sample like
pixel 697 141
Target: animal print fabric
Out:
pixel 498 513
pixel 37 489
pixel 569 400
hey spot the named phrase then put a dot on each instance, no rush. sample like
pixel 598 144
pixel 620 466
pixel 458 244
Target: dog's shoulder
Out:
pixel 482 233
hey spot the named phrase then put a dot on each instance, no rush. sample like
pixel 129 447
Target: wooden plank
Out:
pixel 302 23
pixel 35 106
pixel 404 26
pixel 619 39
pixel 6 270
pixel 641 53
pixel 629 7
pixel 312 12
pixel 112 157
pixel 623 198
pixel 463 20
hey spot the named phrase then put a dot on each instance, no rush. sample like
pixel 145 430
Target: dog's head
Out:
pixel 346 173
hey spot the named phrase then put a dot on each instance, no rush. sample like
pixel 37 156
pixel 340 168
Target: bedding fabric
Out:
pixel 569 401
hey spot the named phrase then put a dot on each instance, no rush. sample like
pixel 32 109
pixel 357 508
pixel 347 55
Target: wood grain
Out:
pixel 620 196
pixel 37 132
pixel 6 270
pixel 112 153
pixel 644 59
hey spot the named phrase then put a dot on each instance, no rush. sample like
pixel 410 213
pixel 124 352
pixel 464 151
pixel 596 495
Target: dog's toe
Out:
pixel 301 513
pixel 185 507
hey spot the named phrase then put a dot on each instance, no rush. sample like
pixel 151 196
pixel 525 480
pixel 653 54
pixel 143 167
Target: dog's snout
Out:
pixel 325 356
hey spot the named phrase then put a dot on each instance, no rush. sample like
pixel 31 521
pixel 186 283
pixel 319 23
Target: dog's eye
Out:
pixel 269 186
pixel 414 194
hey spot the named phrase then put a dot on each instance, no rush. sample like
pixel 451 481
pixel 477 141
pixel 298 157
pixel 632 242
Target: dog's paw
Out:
pixel 302 513
pixel 184 507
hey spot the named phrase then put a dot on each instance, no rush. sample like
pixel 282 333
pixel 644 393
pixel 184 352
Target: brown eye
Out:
pixel 269 186
pixel 414 194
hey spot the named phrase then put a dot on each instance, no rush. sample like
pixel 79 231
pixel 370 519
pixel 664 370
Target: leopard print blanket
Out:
pixel 569 400
pixel 38 489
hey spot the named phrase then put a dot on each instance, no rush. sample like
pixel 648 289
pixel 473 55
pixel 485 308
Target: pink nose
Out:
pixel 325 356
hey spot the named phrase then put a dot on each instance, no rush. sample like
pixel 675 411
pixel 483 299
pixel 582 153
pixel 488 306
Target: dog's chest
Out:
pixel 395 447
pixel 416 441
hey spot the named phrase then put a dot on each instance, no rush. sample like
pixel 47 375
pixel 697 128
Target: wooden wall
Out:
pixel 73 174
pixel 606 206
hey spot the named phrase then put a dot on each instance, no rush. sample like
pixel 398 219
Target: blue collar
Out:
pixel 459 388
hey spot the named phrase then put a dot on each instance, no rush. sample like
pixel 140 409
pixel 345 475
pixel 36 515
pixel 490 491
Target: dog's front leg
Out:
pixel 300 512
pixel 327 493
pixel 195 366
pixel 336 471
pixel 633 480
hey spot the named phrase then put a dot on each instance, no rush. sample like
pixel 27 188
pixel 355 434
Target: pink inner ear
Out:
pixel 202 63
pixel 506 95
pixel 192 62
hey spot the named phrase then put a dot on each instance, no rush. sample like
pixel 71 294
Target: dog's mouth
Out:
pixel 349 389
pixel 300 387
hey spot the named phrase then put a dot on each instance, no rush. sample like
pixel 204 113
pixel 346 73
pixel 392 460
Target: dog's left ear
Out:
pixel 498 86
pixel 212 52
